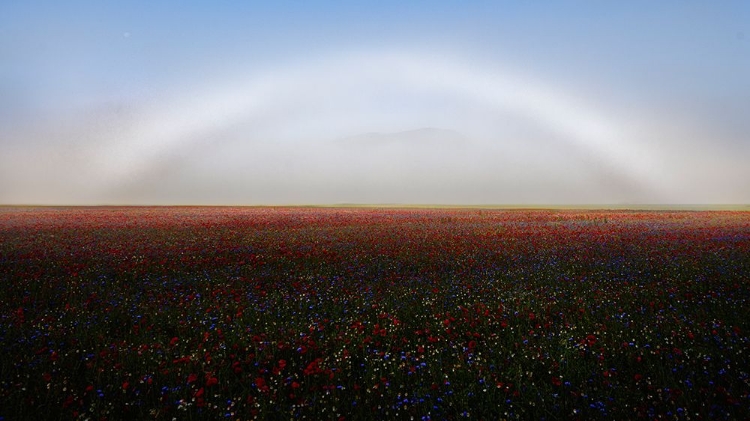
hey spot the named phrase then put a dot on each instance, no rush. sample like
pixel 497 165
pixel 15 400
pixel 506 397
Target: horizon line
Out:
pixel 513 206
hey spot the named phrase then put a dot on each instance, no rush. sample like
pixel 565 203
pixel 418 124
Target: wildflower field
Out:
pixel 373 313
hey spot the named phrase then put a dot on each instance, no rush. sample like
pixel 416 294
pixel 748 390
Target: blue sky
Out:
pixel 381 102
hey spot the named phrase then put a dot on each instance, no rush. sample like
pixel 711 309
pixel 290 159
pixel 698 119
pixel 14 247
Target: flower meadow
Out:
pixel 231 313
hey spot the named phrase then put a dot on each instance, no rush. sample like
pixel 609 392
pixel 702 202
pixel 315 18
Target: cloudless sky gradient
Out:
pixel 324 102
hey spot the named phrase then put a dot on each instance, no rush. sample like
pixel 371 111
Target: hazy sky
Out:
pixel 312 102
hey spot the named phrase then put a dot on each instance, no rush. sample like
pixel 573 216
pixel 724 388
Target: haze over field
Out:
pixel 330 102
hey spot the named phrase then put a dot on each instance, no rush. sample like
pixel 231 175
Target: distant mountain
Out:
pixel 422 136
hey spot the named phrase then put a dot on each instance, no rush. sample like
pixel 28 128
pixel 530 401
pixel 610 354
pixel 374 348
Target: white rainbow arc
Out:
pixel 167 126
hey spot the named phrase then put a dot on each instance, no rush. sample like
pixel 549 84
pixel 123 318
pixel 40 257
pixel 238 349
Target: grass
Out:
pixel 373 313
